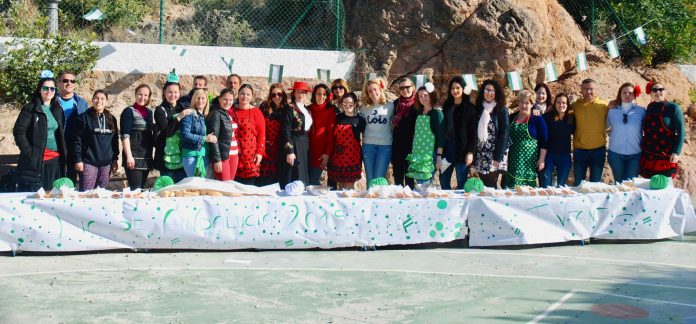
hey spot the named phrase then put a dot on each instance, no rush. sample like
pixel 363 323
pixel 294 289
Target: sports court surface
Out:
pixel 603 282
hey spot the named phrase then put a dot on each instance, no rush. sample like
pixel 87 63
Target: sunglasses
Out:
pixel 625 119
pixel 657 89
pixel 48 89
pixel 66 81
pixel 404 88
pixel 276 95
pixel 340 87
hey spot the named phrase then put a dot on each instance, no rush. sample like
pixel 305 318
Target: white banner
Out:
pixel 470 80
pixel 613 49
pixel 551 74
pixel 514 80
pixel 582 62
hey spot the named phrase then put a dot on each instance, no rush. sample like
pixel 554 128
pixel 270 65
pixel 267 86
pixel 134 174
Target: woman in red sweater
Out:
pixel 251 138
pixel 321 134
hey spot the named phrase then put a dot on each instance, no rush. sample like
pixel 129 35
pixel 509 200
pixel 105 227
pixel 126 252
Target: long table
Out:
pixel 302 222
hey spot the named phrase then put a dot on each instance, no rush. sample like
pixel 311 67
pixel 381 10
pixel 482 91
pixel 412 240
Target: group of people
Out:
pixel 285 139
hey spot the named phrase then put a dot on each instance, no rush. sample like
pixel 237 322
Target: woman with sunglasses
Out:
pixel 339 88
pixel 663 134
pixel 625 124
pixel 272 109
pixel 38 132
pixel 293 137
pixel 404 124
pixel 345 163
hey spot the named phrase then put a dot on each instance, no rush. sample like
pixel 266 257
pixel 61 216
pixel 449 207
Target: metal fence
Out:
pixel 599 19
pixel 306 24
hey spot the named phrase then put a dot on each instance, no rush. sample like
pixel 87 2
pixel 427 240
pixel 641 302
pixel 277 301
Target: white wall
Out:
pixel 156 58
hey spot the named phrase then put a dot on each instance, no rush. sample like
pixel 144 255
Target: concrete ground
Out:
pixel 652 282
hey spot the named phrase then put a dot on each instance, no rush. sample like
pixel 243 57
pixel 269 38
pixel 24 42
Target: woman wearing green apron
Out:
pixel 429 138
pixel 528 135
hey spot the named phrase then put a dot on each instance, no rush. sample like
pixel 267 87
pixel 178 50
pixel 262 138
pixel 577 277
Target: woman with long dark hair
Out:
pixel 95 145
pixel 252 136
pixel 492 133
pixel 345 163
pixel 460 133
pixel 168 116
pixel 224 155
pixel 271 108
pixel 321 134
pixel 560 123
pixel 38 132
pixel 625 123
pixel 429 138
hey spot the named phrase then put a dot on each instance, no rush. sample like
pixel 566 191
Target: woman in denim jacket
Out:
pixel 193 137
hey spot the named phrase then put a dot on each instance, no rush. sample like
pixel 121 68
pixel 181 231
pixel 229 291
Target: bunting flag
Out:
pixel 470 80
pixel 419 80
pixel 372 76
pixel 640 35
pixel 228 64
pixel 275 73
pixel 514 80
pixel 94 14
pixel 181 53
pixel 551 72
pixel 613 49
pixel 582 62
pixel 324 75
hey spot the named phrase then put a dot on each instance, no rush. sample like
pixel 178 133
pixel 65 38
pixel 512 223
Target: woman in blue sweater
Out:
pixel 528 135
pixel 194 136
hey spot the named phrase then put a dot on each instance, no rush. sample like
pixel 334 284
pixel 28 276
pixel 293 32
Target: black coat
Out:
pixel 465 127
pixel 291 124
pixel 93 144
pixel 31 133
pixel 501 121
pixel 219 123
pixel 166 125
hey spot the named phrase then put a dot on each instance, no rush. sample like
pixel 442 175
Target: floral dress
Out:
pixel 484 154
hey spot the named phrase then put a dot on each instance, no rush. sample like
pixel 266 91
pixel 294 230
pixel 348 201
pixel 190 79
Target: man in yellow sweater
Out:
pixel 589 139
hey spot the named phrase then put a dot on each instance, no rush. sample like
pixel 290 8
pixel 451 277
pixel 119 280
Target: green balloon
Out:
pixel 378 182
pixel 162 181
pixel 658 182
pixel 63 182
pixel 474 184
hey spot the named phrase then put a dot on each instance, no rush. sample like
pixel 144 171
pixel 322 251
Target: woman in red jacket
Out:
pixel 252 136
pixel 321 134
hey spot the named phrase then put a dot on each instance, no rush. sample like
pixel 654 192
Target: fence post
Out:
pixel 592 23
pixel 53 16
pixel 161 22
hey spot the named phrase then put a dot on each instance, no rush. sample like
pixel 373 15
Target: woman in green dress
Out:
pixel 429 138
pixel 529 136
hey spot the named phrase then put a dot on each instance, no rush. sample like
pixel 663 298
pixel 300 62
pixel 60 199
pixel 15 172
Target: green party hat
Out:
pixel 172 77
pixel 162 181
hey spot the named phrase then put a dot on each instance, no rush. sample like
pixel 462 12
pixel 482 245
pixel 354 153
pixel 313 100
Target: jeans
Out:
pixel 189 163
pixel 561 162
pixel 592 159
pixel 315 176
pixel 462 173
pixel 623 167
pixel 376 159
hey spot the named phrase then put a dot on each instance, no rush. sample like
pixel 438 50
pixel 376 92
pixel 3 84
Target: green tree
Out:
pixel 24 59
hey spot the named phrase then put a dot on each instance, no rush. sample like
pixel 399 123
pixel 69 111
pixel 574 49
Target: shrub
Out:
pixel 24 59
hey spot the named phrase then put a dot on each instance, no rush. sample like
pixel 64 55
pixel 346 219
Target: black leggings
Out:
pixel 136 178
pixel 399 169
pixel 490 179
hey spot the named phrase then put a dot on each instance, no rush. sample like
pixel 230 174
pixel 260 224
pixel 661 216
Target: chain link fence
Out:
pixel 305 24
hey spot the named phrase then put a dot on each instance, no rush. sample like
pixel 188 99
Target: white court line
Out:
pixel 637 298
pixel 464 274
pixel 553 307
pixel 553 256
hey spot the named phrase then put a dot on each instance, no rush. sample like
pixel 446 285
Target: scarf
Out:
pixel 484 120
pixel 403 109
pixel 541 107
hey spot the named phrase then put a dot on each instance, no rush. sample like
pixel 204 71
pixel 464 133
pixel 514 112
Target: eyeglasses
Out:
pixel 625 119
pixel 276 95
pixel 48 89
pixel 489 91
pixel 338 87
pixel 66 81
pixel 404 88
pixel 657 89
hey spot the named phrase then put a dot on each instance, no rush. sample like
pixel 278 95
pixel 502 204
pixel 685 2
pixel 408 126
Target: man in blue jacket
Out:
pixel 73 105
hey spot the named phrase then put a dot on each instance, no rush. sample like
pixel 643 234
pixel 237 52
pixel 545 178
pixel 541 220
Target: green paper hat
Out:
pixel 658 182
pixel 172 77
pixel 474 184
pixel 162 181
pixel 378 182
pixel 63 182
